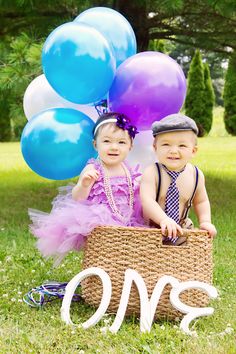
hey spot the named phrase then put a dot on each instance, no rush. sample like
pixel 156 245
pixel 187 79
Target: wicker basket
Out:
pixel 116 249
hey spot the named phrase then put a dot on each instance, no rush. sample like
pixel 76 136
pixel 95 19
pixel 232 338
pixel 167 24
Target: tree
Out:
pixel 5 122
pixel 24 24
pixel 217 64
pixel 38 18
pixel 194 106
pixel 204 24
pixel 208 99
pixel 208 25
pixel 23 66
pixel 230 97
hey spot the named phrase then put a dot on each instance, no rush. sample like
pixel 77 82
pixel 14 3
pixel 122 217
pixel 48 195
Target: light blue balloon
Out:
pixel 114 27
pixel 78 62
pixel 57 143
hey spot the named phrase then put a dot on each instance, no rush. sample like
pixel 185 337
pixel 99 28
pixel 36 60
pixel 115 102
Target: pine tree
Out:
pixel 194 103
pixel 209 99
pixel 230 97
pixel 22 66
pixel 5 123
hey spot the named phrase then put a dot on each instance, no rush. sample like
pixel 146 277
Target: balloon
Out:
pixel 147 87
pixel 57 143
pixel 142 152
pixel 78 63
pixel 40 96
pixel 115 28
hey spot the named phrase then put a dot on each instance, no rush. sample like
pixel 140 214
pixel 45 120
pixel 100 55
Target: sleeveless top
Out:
pixel 189 202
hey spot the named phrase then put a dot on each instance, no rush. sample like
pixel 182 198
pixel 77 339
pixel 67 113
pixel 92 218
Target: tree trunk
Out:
pixel 136 13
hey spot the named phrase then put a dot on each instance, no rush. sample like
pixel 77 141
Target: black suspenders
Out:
pixel 189 204
pixel 159 181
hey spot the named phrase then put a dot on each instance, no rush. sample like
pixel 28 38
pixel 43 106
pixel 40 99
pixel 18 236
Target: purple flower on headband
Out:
pixel 132 130
pixel 122 122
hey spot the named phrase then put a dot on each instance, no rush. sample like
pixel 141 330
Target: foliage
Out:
pixel 5 123
pixel 200 94
pixel 24 26
pixel 230 97
pixel 217 62
pixel 26 330
pixel 157 46
pixel 208 100
pixel 182 24
pixel 37 18
pixel 23 66
pixel 205 24
pixel 194 103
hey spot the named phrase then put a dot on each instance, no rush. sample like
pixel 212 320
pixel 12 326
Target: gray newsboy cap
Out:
pixel 174 122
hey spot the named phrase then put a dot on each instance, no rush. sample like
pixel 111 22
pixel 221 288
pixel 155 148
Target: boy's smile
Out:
pixel 175 149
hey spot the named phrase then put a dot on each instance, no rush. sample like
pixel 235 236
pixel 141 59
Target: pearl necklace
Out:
pixel 109 194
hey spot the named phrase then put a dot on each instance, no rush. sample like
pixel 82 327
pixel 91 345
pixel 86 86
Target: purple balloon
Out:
pixel 147 87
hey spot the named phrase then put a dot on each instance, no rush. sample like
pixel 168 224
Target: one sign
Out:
pixel 147 307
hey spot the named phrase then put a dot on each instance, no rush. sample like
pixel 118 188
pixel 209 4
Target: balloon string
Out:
pixel 47 292
pixel 101 107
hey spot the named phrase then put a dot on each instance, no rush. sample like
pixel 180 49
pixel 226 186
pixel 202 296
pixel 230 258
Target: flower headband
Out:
pixel 121 121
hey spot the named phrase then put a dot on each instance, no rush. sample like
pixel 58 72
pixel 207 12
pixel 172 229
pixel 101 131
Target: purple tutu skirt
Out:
pixel 70 222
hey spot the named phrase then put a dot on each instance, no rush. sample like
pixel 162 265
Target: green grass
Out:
pixel 28 330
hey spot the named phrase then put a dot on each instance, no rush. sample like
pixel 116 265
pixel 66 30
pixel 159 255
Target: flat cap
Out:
pixel 174 122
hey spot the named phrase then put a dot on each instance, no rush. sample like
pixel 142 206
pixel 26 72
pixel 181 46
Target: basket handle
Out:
pixel 183 240
pixel 187 233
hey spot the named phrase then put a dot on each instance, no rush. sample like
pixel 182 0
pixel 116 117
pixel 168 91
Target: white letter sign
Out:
pixel 147 307
pixel 71 287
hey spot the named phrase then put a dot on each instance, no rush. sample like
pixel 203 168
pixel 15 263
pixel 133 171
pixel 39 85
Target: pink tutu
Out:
pixel 69 222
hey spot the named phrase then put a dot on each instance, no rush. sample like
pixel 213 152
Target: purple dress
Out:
pixel 69 222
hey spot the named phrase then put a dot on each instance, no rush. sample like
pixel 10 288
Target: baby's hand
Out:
pixel 172 228
pixel 209 227
pixel 89 177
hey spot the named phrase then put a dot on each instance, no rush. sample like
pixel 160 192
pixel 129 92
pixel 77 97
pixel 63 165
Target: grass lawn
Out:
pixel 29 330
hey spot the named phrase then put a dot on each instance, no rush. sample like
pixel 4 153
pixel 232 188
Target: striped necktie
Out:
pixel 172 196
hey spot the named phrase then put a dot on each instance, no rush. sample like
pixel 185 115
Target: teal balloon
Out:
pixel 114 27
pixel 57 143
pixel 78 62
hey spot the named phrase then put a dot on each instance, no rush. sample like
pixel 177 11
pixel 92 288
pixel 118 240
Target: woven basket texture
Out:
pixel 115 249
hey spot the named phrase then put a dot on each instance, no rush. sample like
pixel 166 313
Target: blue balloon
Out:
pixel 57 143
pixel 114 27
pixel 78 62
